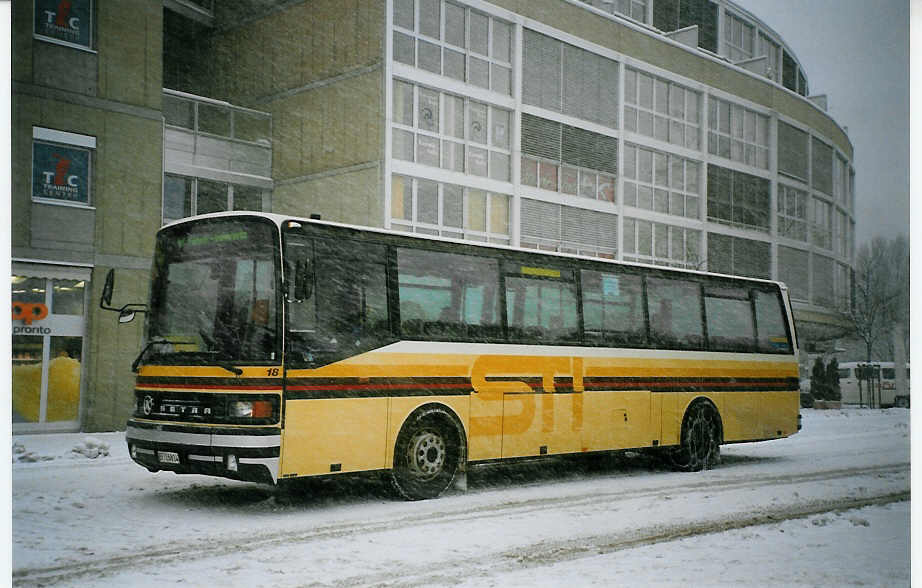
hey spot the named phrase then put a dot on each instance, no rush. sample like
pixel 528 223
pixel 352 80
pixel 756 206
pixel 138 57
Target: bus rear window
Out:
pixel 772 334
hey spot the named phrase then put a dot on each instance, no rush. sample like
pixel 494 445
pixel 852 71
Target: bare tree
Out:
pixel 881 291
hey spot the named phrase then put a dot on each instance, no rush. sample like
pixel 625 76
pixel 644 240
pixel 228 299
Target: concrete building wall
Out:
pixel 111 94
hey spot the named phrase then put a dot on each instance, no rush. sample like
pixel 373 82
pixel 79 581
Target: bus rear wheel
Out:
pixel 427 455
pixel 700 446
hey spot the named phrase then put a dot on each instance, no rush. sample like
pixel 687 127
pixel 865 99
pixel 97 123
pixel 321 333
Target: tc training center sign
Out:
pixel 68 21
pixel 60 173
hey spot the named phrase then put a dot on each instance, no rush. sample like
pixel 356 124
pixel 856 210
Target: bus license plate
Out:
pixel 168 457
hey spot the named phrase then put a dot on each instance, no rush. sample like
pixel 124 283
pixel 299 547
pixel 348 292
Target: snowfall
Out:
pixel 828 506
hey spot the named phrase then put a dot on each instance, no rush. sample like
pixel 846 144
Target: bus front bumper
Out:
pixel 249 454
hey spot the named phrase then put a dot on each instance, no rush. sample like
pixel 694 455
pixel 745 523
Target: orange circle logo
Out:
pixel 29 311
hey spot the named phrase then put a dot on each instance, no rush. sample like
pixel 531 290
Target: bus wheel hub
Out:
pixel 427 454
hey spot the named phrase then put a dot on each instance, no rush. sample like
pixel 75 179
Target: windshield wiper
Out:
pixel 229 367
pixel 137 361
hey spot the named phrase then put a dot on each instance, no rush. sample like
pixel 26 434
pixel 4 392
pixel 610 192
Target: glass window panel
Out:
pixel 502 41
pixel 213 119
pixel 529 172
pixel 403 103
pixel 613 307
pixel 427 150
pixel 248 198
pixel 67 297
pixel 177 198
pixel 587 184
pixel 569 180
pixel 661 95
pixel 645 91
pixel 502 79
pixel 404 48
pixel 629 236
pixel 606 188
pixel 645 123
pixel 630 194
pixel 548 176
pixel 644 237
pixel 453 156
pixel 770 324
pixel 428 110
pixel 430 56
pixel 541 310
pixel 401 198
pixel 729 322
pixel 479 72
pixel 211 197
pixel 454 24
pixel 427 202
pixel 499 214
pixel 499 166
pixel 477 161
pixel 476 210
pixel 453 116
pixel 26 378
pixel 430 17
pixel 403 14
pixel 479 32
pixel 675 313
pixel 501 128
pixel 477 115
pixel 661 169
pixel 402 144
pixel 452 206
pixel 645 197
pixel 645 166
pixel 453 65
pixel 178 112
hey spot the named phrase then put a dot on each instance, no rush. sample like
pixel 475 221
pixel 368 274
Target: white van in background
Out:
pixel 848 384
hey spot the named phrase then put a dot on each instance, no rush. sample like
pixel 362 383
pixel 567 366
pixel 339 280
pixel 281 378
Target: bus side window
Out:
pixel 772 332
pixel 541 311
pixel 729 319
pixel 675 313
pixel 351 285
pixel 613 308
pixel 448 296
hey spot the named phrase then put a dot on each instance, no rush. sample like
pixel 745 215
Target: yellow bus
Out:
pixel 280 348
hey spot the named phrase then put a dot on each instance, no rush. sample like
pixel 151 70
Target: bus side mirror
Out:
pixel 126 316
pixel 106 298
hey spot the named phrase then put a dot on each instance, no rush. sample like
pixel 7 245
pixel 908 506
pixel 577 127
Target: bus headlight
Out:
pixel 253 409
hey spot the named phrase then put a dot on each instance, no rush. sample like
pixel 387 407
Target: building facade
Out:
pixel 669 132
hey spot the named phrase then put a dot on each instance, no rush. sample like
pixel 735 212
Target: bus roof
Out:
pixel 280 219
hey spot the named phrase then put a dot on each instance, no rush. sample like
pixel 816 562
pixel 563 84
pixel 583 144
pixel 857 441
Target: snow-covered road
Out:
pixel 827 506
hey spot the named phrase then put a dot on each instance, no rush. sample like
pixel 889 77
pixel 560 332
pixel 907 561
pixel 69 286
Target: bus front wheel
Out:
pixel 700 446
pixel 426 456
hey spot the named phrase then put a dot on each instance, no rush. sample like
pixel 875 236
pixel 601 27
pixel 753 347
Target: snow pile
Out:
pixel 41 450
pixel 91 447
pixel 20 454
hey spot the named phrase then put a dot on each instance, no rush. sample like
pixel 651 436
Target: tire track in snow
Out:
pixel 547 553
pixel 179 550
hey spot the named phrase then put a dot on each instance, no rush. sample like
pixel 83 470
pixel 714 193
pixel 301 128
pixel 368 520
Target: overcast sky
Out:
pixel 857 53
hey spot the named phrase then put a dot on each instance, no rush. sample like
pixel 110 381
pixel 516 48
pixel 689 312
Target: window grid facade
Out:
pixel 739 36
pixel 792 213
pixel 772 51
pixel 661 109
pixel 455 41
pixel 635 9
pixel 187 196
pixel 443 130
pixel 821 228
pixel 661 244
pixel 448 210
pixel 661 182
pixel 737 133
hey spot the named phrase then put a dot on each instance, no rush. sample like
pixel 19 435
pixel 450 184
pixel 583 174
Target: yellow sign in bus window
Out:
pixel 540 271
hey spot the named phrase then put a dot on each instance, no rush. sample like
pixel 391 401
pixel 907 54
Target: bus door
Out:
pixel 542 414
pixel 333 421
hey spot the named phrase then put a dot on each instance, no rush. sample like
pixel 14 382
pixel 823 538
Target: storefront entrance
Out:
pixel 49 310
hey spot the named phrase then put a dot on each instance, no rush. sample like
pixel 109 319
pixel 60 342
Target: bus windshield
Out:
pixel 214 293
